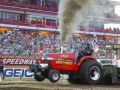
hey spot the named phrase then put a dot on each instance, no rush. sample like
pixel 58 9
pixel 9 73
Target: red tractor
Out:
pixel 81 68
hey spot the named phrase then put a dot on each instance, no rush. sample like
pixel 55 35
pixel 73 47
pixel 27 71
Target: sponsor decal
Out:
pixel 64 62
pixel 17 72
pixel 64 56
pixel 18 61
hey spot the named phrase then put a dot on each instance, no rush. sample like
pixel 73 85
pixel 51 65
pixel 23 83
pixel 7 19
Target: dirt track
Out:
pixel 33 85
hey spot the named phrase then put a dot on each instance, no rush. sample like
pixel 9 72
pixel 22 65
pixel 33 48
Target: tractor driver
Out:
pixel 87 50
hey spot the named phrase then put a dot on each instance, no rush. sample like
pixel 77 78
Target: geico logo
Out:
pixel 64 56
pixel 17 73
pixel 18 61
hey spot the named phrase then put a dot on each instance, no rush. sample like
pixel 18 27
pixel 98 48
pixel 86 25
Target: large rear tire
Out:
pixel 38 77
pixel 91 72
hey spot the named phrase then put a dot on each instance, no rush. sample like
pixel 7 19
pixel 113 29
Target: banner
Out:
pixel 19 61
pixel 17 72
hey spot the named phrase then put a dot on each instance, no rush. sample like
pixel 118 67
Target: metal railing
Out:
pixel 32 23
pixel 27 6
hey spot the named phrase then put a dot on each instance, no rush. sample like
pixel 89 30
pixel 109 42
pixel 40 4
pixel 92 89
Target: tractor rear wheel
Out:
pixel 91 72
pixel 38 77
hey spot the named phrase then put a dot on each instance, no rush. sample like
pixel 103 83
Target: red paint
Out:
pixel 73 67
pixel 66 56
pixel 85 58
pixel 69 56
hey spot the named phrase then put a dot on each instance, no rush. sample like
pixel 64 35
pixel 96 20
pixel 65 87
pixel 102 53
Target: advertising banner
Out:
pixel 18 61
pixel 17 72
pixel 17 67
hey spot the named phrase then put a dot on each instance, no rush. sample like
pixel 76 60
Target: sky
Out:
pixel 117 11
pixel 117 8
pixel 115 0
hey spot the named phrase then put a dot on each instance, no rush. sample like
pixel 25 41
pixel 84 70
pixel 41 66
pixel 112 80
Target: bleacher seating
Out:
pixel 27 6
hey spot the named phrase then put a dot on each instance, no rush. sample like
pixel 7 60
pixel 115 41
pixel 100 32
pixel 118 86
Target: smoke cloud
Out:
pixel 71 14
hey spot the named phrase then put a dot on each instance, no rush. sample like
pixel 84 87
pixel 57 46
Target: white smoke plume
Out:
pixel 71 14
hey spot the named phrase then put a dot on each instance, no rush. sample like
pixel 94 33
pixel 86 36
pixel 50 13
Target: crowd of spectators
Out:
pixel 19 43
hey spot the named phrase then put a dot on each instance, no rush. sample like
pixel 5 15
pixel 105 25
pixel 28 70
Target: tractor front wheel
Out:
pixel 38 77
pixel 54 76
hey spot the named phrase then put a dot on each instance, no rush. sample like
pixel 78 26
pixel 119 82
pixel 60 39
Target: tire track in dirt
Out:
pixel 56 86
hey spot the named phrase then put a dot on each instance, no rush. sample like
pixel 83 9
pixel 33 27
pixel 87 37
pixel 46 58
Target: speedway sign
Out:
pixel 20 61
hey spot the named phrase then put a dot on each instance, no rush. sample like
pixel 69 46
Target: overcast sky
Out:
pixel 117 11
pixel 117 8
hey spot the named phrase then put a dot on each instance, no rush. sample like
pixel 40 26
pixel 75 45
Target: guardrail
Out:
pixel 32 23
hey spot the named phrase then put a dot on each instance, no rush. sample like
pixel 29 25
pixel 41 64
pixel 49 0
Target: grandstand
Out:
pixel 30 27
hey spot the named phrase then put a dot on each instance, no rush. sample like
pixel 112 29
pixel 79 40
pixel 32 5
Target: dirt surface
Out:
pixel 46 85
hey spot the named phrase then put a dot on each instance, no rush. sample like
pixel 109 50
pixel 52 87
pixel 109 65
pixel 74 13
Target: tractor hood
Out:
pixel 66 56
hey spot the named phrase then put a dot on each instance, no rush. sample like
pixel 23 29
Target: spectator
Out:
pixel 30 43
